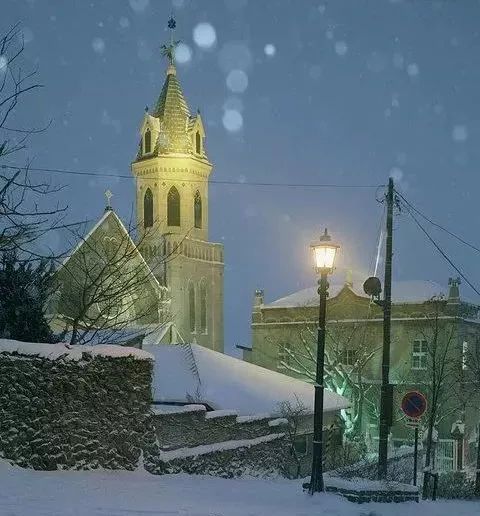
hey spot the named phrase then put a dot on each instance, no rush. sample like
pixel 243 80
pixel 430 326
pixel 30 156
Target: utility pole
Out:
pixel 386 399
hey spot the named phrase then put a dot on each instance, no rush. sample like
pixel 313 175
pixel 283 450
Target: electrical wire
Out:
pixel 214 181
pixel 442 252
pixel 433 223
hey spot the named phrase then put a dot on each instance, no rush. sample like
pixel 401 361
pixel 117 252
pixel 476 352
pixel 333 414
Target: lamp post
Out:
pixel 324 252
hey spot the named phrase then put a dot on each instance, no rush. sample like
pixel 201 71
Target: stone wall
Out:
pixel 360 491
pixel 77 408
pixel 191 440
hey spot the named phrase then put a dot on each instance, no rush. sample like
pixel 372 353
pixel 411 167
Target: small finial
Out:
pixel 108 195
pixel 169 50
pixel 146 109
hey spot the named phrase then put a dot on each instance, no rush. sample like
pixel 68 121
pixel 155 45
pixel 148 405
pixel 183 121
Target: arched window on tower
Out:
pixel 191 307
pixel 147 139
pixel 203 307
pixel 197 210
pixel 173 207
pixel 198 143
pixel 148 209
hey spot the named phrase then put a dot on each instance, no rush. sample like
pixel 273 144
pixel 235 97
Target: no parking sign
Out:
pixel 414 404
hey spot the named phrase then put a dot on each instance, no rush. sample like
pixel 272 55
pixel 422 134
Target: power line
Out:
pixel 442 252
pixel 439 226
pixel 213 181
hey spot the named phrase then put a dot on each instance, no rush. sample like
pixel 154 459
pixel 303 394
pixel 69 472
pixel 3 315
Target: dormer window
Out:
pixel 198 143
pixel 147 142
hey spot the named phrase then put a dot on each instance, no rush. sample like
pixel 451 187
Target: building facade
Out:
pixel 432 334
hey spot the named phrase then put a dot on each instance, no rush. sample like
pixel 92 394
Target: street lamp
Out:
pixel 324 252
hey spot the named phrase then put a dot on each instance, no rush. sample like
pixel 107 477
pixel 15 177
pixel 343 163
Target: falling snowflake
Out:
pixel 139 5
pixel 398 61
pixel 183 53
pixel 98 45
pixel 270 50
pixel 232 120
pixel 341 48
pixel 237 81
pixel 124 22
pixel 204 35
pixel 413 70
pixel 459 133
pixel 235 55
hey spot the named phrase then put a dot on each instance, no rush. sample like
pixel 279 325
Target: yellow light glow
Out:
pixel 324 257
pixel 324 252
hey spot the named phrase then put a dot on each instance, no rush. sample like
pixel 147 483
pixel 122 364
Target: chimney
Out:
pixel 454 290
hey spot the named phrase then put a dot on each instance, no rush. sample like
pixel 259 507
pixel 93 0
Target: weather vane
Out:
pixel 169 50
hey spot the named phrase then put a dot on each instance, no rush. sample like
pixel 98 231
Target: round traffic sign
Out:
pixel 414 404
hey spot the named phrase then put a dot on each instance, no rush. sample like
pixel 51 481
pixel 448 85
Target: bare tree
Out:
pixel 22 217
pixel 348 354
pixel 295 413
pixel 434 368
pixel 471 376
pixel 106 292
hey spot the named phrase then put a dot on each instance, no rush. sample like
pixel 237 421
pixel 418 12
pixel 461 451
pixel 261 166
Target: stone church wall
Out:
pixel 73 408
pixel 218 443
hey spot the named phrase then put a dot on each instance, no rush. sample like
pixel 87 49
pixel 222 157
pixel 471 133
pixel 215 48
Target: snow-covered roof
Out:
pixel 66 352
pixel 189 373
pixel 414 291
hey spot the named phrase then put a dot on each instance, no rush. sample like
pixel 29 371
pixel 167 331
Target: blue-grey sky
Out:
pixel 344 91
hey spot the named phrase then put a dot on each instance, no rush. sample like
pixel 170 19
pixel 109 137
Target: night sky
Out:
pixel 345 92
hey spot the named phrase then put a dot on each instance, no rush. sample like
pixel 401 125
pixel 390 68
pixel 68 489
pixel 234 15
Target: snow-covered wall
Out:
pixel 79 407
pixel 220 443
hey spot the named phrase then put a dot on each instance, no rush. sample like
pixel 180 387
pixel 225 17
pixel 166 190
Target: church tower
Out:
pixel 172 171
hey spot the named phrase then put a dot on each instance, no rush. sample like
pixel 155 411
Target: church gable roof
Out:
pixel 110 226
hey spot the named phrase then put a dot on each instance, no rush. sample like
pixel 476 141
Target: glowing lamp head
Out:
pixel 324 252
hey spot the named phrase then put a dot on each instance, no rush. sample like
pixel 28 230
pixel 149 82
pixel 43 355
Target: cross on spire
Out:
pixel 168 50
pixel 108 195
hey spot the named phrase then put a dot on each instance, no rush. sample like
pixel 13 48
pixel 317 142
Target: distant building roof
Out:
pixel 414 291
pixel 190 373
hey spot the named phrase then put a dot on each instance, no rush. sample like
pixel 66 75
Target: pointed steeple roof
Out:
pixel 172 111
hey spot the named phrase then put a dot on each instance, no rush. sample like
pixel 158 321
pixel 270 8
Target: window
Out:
pixel 147 142
pixel 148 209
pixel 197 210
pixel 191 307
pixel 419 354
pixel 198 143
pixel 284 353
pixel 300 444
pixel 203 307
pixel 348 357
pixel 173 207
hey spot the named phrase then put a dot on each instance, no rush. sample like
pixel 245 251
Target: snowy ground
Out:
pixel 102 493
